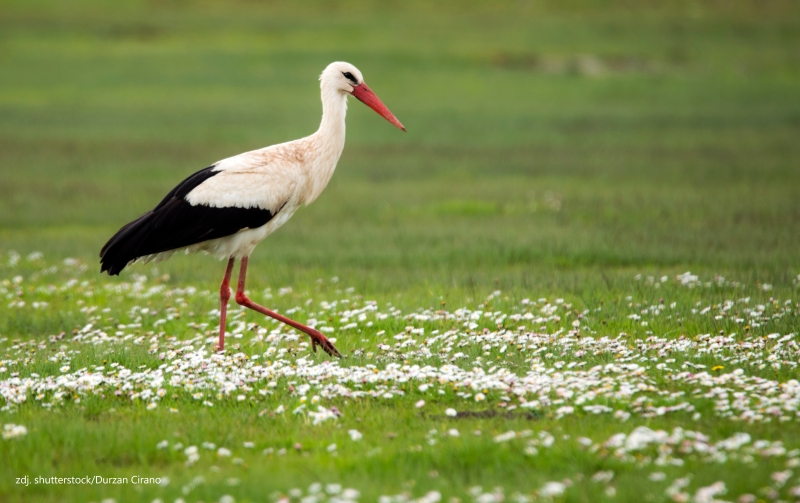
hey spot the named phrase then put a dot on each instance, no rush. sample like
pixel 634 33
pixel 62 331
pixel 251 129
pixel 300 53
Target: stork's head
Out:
pixel 347 79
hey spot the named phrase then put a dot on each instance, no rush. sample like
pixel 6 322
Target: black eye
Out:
pixel 349 76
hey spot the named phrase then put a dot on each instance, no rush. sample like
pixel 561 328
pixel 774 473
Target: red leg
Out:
pixel 224 295
pixel 316 335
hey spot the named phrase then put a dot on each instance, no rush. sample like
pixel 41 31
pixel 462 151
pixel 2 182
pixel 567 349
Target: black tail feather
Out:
pixel 123 247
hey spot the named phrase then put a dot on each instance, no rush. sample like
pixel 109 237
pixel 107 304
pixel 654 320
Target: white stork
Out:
pixel 227 208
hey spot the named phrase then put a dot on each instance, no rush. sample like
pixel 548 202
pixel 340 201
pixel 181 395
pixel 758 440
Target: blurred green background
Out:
pixel 550 143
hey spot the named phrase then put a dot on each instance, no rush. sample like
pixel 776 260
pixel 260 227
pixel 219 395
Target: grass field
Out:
pixel 586 247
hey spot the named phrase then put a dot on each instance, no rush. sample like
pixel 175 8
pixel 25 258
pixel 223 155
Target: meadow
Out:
pixel 575 278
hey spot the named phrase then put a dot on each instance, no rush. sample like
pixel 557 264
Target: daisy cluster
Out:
pixel 317 493
pixel 539 355
pixel 334 493
pixel 14 431
pixel 644 446
pixel 619 389
pixel 648 449
pixel 677 491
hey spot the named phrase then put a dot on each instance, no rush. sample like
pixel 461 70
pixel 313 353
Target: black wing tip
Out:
pixel 110 267
pixel 114 255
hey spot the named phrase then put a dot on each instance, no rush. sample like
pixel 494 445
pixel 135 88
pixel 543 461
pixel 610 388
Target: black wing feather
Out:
pixel 174 223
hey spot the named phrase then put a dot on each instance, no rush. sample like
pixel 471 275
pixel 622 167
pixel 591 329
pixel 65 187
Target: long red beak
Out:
pixel 365 95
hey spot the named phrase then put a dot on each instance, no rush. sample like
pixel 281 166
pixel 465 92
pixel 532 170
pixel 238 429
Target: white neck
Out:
pixel 327 142
pixel 334 109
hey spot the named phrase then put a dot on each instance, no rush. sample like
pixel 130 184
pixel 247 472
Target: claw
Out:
pixel 325 344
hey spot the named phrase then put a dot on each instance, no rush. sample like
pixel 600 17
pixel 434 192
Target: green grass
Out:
pixel 555 150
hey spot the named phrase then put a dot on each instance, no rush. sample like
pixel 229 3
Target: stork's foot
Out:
pixel 324 343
